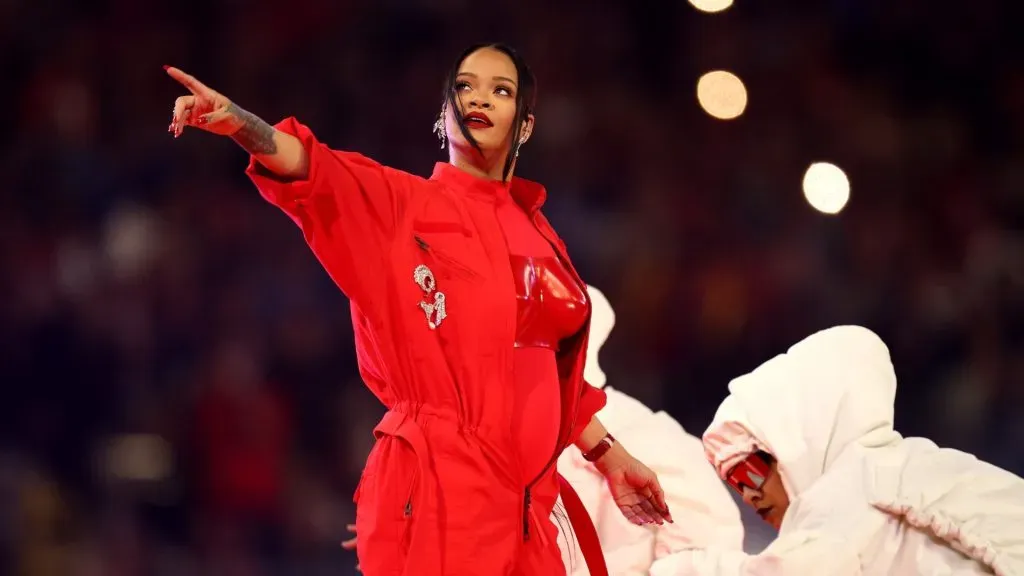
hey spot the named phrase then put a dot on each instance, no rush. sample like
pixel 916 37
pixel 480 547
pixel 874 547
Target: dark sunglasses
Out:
pixel 752 472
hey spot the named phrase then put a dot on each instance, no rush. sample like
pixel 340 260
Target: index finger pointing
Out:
pixel 187 80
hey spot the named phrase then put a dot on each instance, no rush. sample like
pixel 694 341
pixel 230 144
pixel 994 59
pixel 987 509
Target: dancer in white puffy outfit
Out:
pixel 705 513
pixel 808 438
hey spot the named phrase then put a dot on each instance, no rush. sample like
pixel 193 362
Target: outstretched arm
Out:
pixel 346 205
pixel 279 152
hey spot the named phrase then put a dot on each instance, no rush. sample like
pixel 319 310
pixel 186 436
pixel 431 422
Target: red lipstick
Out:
pixel 477 120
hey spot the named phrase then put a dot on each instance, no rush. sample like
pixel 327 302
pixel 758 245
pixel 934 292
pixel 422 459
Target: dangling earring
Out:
pixel 439 127
pixel 520 145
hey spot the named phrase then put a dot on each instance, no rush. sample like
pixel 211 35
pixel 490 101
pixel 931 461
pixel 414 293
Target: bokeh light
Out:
pixel 826 187
pixel 138 457
pixel 711 5
pixel 722 94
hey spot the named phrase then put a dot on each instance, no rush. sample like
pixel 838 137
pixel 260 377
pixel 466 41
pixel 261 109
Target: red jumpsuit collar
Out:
pixel 529 195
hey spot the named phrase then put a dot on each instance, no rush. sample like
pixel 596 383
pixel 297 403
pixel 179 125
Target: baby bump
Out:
pixel 537 412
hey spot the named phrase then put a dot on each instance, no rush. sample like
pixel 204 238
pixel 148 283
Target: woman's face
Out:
pixel 757 478
pixel 771 500
pixel 486 88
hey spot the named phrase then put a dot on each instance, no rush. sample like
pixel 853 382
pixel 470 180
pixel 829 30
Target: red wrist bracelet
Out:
pixel 603 446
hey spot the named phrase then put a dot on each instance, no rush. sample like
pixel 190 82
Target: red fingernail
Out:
pixel 201 120
pixel 166 67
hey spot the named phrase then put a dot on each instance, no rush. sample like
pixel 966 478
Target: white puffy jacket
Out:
pixel 864 500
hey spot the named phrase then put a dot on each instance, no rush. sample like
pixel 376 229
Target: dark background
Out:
pixel 179 394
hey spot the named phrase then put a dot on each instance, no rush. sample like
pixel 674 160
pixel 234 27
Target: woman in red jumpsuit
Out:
pixel 470 325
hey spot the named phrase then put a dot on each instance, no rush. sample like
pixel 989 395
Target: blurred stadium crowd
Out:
pixel 179 389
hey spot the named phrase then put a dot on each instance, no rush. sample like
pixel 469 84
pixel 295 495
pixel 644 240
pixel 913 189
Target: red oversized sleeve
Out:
pixel 591 403
pixel 347 208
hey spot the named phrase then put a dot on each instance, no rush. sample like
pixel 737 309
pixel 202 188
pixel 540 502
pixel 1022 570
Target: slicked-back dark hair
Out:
pixel 526 97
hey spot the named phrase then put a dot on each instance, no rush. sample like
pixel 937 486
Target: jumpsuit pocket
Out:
pixel 447 264
pixel 440 226
pixel 387 507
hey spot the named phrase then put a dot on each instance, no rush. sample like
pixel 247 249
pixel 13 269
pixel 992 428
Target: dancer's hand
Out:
pixel 350 544
pixel 635 488
pixel 204 108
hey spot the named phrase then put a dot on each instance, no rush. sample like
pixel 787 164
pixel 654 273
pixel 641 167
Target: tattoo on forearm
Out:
pixel 255 136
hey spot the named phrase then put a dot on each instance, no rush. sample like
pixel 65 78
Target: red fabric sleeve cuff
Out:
pixel 283 193
pixel 594 399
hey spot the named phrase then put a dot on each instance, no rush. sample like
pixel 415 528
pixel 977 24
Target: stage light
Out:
pixel 711 6
pixel 826 187
pixel 722 94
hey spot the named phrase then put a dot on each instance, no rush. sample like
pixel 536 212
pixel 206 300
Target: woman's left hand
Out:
pixel 635 488
pixel 350 544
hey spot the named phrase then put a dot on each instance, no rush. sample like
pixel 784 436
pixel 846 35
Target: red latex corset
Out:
pixel 552 306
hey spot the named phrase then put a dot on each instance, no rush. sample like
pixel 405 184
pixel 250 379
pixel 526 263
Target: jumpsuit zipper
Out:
pixel 526 514
pixel 526 495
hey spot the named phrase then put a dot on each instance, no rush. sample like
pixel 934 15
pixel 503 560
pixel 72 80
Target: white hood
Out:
pixel 602 320
pixel 835 388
